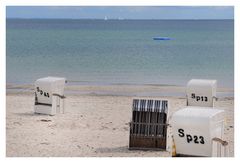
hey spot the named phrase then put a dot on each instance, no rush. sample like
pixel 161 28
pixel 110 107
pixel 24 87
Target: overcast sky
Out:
pixel 173 12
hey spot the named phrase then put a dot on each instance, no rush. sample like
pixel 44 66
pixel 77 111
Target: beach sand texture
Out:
pixel 93 125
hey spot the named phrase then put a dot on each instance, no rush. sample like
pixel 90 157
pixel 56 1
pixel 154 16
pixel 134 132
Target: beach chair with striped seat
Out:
pixel 148 127
pixel 49 95
pixel 201 92
pixel 199 131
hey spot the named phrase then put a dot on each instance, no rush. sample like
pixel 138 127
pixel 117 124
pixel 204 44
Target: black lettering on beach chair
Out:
pixel 201 139
pixel 198 98
pixel 206 99
pixel 181 132
pixel 193 95
pixel 189 138
pixel 195 139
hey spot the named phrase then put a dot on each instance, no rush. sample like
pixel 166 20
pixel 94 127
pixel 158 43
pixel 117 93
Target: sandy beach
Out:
pixel 95 123
pixel 109 56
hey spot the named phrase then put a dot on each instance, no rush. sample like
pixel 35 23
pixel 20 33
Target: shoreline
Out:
pixel 151 90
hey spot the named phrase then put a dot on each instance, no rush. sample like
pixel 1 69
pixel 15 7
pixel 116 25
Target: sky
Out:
pixel 116 12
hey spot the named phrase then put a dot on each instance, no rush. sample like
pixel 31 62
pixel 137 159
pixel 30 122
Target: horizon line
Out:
pixel 122 19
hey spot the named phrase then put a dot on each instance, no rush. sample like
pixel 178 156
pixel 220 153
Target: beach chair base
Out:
pixel 146 143
pixel 183 155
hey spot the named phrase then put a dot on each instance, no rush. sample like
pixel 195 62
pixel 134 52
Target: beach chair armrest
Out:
pixel 222 142
pixel 214 97
pixel 61 96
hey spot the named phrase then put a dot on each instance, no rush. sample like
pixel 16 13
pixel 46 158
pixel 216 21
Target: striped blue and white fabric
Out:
pixel 150 105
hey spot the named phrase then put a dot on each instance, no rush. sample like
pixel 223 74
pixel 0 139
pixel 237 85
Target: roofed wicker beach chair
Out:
pixel 148 127
pixel 49 95
pixel 199 131
pixel 201 92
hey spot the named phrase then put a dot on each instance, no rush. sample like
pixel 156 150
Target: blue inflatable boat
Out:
pixel 161 38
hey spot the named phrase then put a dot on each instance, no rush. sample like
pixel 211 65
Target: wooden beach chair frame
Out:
pixel 148 127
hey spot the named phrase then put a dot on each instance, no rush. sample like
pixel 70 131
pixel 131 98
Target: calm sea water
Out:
pixel 120 51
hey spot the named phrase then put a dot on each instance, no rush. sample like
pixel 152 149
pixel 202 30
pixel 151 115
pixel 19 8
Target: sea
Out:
pixel 112 52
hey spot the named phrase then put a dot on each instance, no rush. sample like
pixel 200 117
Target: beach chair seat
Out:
pixel 148 127
pixel 201 92
pixel 196 128
pixel 49 95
